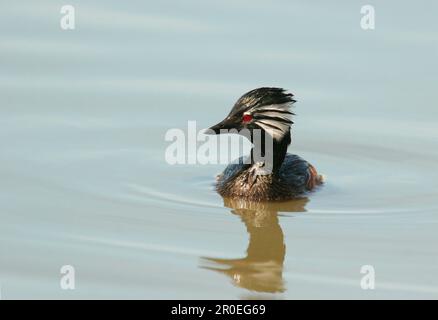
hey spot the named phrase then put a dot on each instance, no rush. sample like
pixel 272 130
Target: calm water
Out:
pixel 83 176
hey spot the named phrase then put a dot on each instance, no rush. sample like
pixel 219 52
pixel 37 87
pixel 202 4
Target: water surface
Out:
pixel 85 183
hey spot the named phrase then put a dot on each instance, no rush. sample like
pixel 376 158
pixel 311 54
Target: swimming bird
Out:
pixel 269 173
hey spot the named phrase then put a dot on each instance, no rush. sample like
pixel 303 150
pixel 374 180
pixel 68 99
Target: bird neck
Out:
pixel 270 151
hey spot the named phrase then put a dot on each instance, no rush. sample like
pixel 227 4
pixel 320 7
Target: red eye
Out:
pixel 247 118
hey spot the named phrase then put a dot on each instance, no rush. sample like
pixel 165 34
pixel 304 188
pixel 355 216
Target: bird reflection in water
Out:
pixel 262 268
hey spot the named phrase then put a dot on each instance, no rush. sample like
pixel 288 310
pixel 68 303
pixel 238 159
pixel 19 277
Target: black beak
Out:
pixel 225 124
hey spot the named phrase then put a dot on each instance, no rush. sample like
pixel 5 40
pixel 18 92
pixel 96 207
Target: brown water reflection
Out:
pixel 262 268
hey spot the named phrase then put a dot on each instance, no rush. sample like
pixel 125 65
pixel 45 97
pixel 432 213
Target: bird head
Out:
pixel 265 109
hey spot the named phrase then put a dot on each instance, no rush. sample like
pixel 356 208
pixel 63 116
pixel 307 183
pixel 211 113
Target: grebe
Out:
pixel 267 111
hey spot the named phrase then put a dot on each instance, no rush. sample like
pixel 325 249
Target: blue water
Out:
pixel 85 183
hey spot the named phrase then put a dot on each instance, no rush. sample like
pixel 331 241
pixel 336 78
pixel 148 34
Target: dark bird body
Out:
pixel 295 177
pixel 289 176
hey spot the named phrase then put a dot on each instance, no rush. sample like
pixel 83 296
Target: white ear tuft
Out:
pixel 275 119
